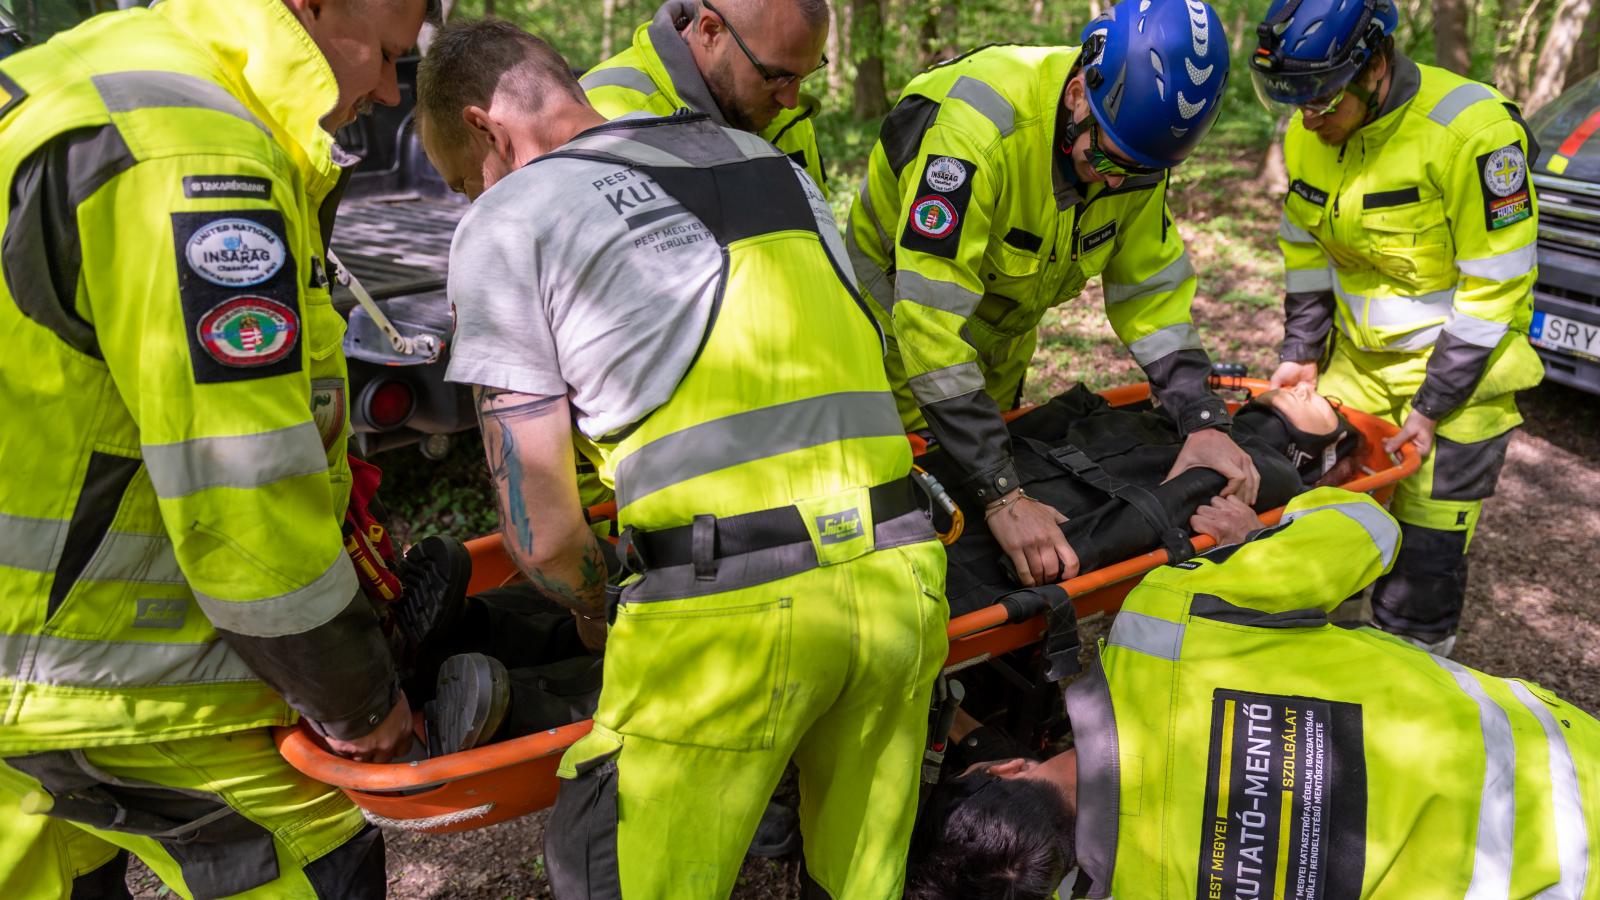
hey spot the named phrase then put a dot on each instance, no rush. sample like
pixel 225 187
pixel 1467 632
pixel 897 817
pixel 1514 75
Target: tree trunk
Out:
pixel 1586 58
pixel 836 45
pixel 1451 49
pixel 1038 12
pixel 866 50
pixel 488 9
pixel 1565 30
pixel 608 12
pixel 938 32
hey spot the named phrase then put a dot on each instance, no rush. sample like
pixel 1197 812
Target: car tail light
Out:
pixel 388 404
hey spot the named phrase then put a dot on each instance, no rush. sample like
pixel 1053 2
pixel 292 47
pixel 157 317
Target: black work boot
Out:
pixel 469 704
pixel 778 834
pixel 433 577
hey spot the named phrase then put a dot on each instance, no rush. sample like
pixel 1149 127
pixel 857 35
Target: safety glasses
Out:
pixel 778 79
pixel 1106 164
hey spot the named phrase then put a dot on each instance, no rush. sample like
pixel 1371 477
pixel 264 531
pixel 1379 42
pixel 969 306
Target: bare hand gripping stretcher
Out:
pixel 512 778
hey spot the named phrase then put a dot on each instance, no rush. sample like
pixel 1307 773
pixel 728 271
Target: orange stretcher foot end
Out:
pixel 512 778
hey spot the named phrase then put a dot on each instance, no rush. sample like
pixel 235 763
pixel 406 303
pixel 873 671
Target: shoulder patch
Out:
pixel 1503 174
pixel 11 94
pixel 1097 237
pixel 1308 193
pixel 203 186
pixel 241 302
pixel 933 224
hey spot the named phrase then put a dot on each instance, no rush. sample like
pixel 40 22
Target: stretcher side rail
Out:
pixel 512 778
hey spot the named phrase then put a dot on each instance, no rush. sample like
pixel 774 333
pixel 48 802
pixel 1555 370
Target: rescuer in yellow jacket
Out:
pixel 1231 742
pixel 1408 243
pixel 1000 184
pixel 786 599
pixel 172 565
pixel 741 62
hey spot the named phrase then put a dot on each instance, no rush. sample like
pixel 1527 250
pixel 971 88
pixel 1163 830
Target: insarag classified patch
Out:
pixel 1286 799
pixel 934 223
pixel 237 283
pixel 1504 176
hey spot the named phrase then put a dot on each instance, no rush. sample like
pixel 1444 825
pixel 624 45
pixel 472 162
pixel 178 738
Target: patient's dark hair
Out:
pixel 1011 840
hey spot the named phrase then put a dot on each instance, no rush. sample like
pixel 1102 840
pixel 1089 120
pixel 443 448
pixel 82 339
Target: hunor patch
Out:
pixel 933 217
pixel 247 331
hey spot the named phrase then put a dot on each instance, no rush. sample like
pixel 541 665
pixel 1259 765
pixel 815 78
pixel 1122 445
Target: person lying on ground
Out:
pixel 1229 741
pixel 1112 472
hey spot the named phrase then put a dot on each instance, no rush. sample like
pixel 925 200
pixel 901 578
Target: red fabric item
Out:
pixel 365 538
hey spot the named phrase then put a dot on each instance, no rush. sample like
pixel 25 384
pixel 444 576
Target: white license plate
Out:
pixel 1567 335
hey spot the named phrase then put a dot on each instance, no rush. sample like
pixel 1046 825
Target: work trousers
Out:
pixel 710 692
pixel 216 816
pixel 1438 506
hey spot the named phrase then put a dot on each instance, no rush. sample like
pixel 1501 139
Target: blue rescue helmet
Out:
pixel 1308 50
pixel 1155 70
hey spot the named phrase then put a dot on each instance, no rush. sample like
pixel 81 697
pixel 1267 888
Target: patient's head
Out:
pixel 1321 443
pixel 1000 830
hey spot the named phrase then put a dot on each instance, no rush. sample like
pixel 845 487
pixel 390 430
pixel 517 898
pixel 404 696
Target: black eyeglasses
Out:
pixel 778 79
pixel 1106 164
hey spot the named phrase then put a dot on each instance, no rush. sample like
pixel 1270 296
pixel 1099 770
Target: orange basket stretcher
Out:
pixel 500 781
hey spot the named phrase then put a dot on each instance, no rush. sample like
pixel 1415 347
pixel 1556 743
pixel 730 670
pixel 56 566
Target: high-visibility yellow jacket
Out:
pixel 1416 236
pixel 765 417
pixel 1233 743
pixel 657 75
pixel 173 476
pixel 966 232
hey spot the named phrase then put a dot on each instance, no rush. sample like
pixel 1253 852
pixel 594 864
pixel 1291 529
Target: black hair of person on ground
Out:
pixel 1295 437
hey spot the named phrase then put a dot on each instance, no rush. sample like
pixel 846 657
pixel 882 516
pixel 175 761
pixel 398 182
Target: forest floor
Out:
pixel 1534 603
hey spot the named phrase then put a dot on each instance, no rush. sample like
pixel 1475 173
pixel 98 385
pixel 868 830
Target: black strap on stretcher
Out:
pixel 710 538
pixel 1078 464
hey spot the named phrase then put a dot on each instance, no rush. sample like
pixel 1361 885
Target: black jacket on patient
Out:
pixel 1134 445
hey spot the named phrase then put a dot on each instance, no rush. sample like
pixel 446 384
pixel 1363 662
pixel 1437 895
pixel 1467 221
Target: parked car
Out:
pixel 1566 299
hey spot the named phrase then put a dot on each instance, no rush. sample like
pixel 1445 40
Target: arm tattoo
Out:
pixel 500 445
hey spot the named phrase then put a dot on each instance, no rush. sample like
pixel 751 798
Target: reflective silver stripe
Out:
pixel 31 544
pixel 1502 266
pixel 1167 341
pixel 103 665
pixel 240 461
pixel 946 383
pixel 142 558
pixel 1572 835
pixel 299 610
pixel 1293 233
pixel 1415 342
pixel 1497 811
pixel 128 91
pixel 633 151
pixel 883 236
pixel 1147 634
pixel 1168 279
pixel 756 434
pixel 986 100
pixel 1383 531
pixel 619 76
pixel 1476 331
pixel 1397 311
pixel 1445 111
pixel 943 295
pixel 873 280
pixel 1301 280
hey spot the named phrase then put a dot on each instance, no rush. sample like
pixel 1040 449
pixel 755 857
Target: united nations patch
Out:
pixel 1504 176
pixel 934 220
pixel 933 217
pixel 237 334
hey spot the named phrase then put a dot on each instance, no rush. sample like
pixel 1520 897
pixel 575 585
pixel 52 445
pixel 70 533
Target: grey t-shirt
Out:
pixel 584 278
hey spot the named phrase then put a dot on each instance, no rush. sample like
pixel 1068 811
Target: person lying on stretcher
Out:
pixel 1107 470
